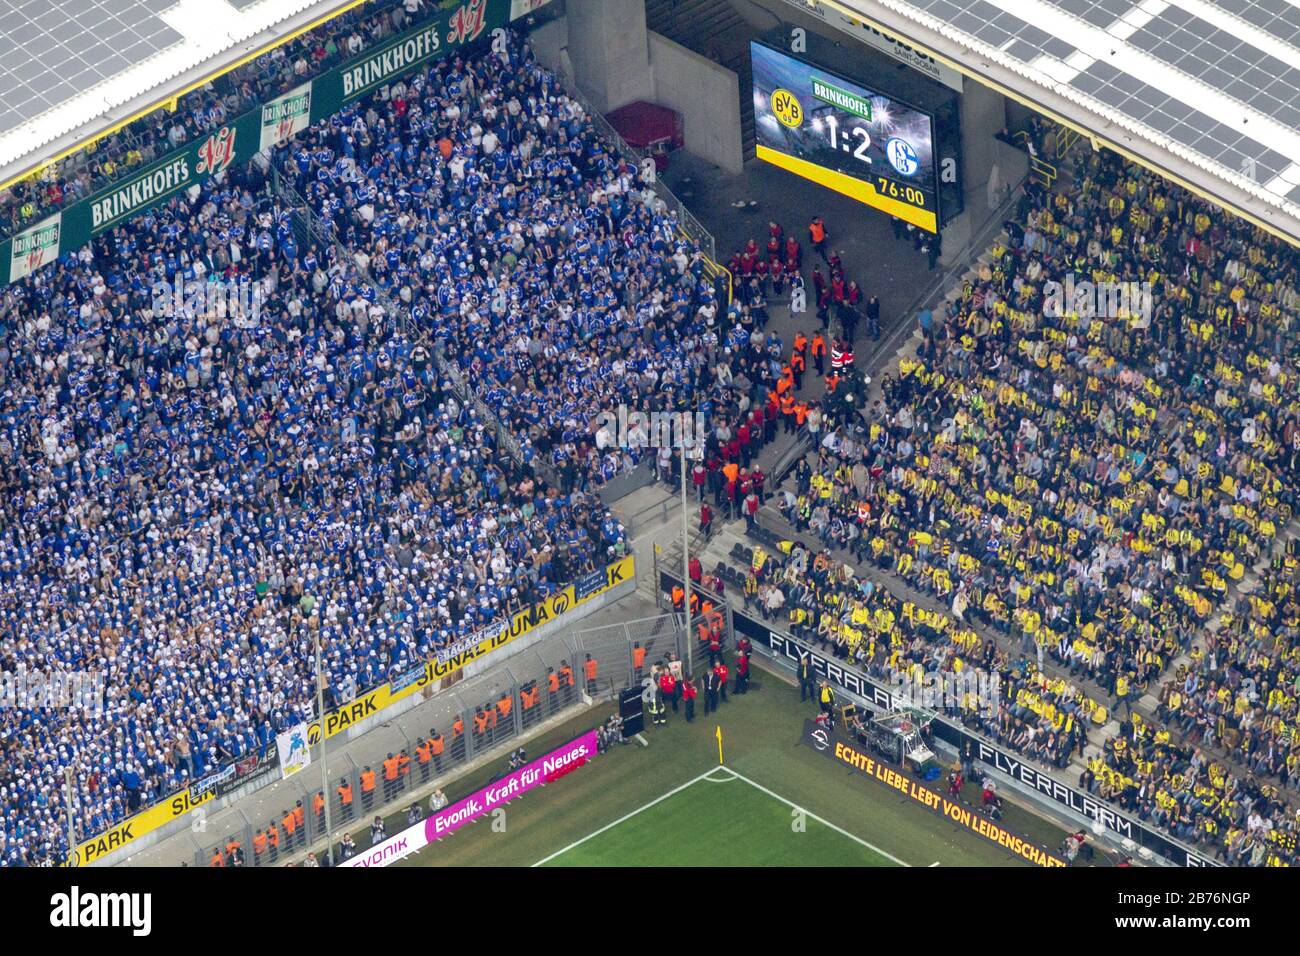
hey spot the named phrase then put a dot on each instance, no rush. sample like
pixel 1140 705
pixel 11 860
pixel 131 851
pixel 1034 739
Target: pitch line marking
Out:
pixel 627 816
pixel 709 778
pixel 824 822
pixel 706 776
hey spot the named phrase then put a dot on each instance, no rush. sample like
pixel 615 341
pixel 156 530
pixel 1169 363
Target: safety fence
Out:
pixel 356 715
pixel 690 226
pixel 421 750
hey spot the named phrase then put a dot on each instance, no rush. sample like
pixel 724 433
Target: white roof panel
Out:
pixel 1214 85
pixel 71 68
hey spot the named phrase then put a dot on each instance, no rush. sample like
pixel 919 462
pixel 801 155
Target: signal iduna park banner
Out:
pixel 843 136
pixel 367 705
pixel 270 124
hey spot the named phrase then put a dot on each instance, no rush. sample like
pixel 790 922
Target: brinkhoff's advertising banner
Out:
pixel 853 681
pixel 440 35
pixel 847 752
pixel 557 763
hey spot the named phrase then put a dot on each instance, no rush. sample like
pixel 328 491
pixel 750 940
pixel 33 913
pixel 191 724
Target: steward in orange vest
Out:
pixel 819 352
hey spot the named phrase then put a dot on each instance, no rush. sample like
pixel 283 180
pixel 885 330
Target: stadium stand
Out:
pixel 188 499
pixel 603 301
pixel 1081 492
pixel 826 602
pixel 139 143
pixel 1086 489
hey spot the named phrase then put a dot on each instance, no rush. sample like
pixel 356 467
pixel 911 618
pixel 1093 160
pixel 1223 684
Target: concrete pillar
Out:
pixel 608 49
pixel 707 95
pixel 983 113
pixel 549 42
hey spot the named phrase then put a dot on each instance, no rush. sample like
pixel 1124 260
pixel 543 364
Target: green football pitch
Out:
pixel 664 800
pixel 721 818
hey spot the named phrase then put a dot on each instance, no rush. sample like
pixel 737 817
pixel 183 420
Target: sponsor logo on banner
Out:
pixel 850 754
pixel 212 782
pixel 217 152
pixel 381 67
pixel 877 695
pixel 286 115
pixel 144 822
pixel 846 100
pixel 546 769
pixel 543 770
pixel 143 191
pixel 467 22
pixel 294 754
pixel 34 247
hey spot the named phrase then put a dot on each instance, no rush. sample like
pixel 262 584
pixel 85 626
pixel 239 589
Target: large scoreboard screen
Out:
pixel 844 136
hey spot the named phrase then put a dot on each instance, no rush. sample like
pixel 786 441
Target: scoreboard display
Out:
pixel 846 137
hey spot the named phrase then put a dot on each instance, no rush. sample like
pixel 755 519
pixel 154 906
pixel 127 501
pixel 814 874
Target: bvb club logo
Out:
pixel 786 108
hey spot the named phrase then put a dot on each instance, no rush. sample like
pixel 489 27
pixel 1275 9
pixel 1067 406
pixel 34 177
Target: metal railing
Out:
pixel 689 225
pixel 1041 169
pixel 493 709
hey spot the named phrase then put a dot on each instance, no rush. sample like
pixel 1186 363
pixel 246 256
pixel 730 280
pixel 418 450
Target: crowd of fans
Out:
pixel 857 619
pixel 1240 688
pixel 1089 483
pixel 205 109
pixel 482 200
pixel 190 499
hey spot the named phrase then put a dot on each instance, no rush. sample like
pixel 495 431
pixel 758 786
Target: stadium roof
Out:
pixel 1205 91
pixel 72 70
